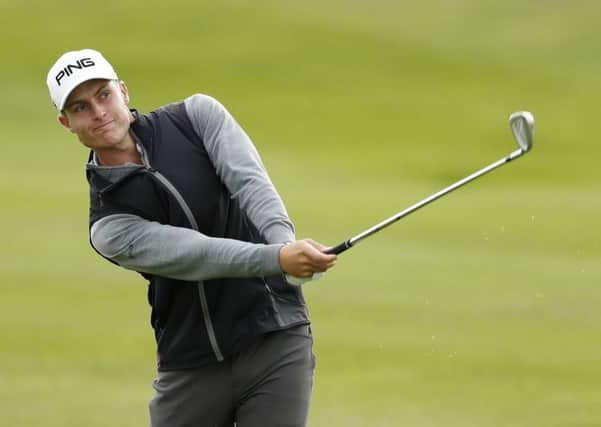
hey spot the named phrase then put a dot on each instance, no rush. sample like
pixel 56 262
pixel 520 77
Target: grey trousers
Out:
pixel 267 384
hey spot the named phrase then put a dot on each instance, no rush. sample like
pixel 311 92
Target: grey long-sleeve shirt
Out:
pixel 181 253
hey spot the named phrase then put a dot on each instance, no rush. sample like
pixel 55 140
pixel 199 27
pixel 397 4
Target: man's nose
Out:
pixel 98 110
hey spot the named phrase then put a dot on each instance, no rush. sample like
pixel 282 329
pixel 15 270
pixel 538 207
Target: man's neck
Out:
pixel 116 157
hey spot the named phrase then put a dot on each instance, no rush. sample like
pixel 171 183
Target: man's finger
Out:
pixel 317 245
pixel 317 258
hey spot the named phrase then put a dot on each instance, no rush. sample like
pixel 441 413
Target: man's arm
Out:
pixel 238 164
pixel 184 254
pixel 179 253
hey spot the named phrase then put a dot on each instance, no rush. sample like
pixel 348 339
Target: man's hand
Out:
pixel 305 257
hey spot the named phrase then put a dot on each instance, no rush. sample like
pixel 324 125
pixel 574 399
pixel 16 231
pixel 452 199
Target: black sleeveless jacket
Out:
pixel 195 323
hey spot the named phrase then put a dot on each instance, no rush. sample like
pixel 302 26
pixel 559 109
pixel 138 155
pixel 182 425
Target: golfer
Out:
pixel 181 196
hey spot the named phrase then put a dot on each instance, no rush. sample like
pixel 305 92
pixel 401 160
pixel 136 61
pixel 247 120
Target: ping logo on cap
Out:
pixel 74 68
pixel 71 68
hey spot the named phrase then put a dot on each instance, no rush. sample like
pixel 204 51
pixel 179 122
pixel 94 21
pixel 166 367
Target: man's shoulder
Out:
pixel 196 104
pixel 200 102
pixel 203 109
pixel 198 109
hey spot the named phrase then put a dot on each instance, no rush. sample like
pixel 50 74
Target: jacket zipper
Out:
pixel 200 285
pixel 109 187
pixel 186 209
pixel 274 305
pixel 271 293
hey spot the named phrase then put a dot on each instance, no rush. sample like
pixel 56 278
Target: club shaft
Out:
pixel 347 244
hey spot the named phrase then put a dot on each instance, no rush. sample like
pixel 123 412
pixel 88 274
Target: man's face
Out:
pixel 97 112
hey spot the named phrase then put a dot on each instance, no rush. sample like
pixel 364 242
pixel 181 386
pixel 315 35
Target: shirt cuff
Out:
pixel 279 233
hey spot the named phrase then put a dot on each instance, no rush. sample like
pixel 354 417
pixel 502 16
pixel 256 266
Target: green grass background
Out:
pixel 480 310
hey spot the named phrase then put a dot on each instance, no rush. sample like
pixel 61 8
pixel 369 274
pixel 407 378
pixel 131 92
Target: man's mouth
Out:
pixel 103 126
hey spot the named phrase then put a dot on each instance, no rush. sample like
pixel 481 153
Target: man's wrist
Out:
pixel 281 247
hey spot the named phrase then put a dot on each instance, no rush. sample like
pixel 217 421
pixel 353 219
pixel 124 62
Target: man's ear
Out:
pixel 63 120
pixel 124 91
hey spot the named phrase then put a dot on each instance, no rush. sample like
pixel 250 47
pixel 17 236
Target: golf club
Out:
pixel 522 127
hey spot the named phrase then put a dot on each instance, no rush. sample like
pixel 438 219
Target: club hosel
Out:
pixel 517 153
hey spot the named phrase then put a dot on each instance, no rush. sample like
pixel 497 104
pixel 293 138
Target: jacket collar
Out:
pixel 102 177
pixel 142 128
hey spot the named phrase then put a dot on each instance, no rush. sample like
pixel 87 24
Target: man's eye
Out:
pixel 105 94
pixel 79 108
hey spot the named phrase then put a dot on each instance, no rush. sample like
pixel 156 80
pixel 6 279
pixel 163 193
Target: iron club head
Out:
pixel 522 126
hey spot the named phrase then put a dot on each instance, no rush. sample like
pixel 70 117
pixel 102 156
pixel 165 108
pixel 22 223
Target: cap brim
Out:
pixel 70 90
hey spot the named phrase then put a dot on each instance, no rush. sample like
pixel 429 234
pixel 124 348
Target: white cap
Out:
pixel 74 68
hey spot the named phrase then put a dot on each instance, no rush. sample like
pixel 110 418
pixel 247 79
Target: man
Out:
pixel 181 196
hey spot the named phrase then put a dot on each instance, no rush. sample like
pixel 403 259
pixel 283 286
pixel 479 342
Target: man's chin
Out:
pixel 109 138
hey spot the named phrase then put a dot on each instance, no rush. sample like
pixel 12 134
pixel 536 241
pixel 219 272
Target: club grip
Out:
pixel 339 249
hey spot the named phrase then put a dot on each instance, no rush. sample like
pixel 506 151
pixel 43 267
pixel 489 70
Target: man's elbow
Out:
pixel 108 245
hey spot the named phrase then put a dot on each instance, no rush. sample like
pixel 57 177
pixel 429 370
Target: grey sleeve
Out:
pixel 238 164
pixel 179 253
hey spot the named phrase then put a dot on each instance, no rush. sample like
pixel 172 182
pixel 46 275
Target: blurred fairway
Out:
pixel 480 310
